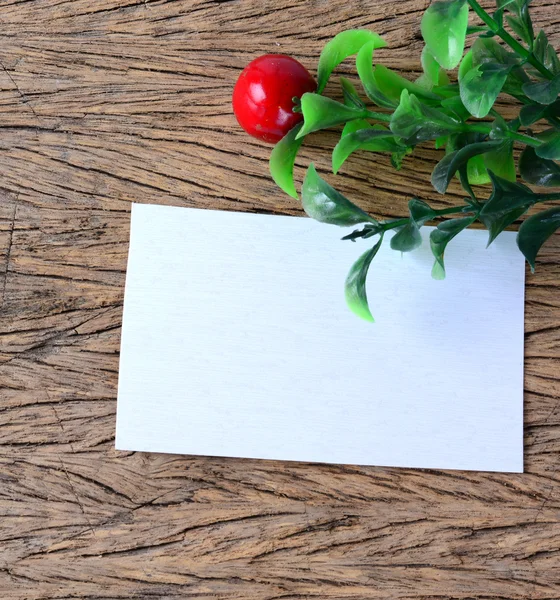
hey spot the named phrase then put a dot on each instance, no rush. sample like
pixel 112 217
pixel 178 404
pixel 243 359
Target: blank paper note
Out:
pixel 237 342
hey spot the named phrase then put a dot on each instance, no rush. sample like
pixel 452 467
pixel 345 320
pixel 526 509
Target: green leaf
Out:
pixel 519 21
pixel 507 194
pixel 481 86
pixel 538 171
pixel 543 92
pixel 323 203
pixel 355 288
pixel 540 46
pixel 462 139
pixel 489 51
pixel 343 45
pixel 420 211
pixel 444 27
pixel 527 24
pixel 466 65
pixel 464 179
pixel 477 174
pixel 320 112
pixel 398 156
pixel 441 142
pixel 350 94
pixel 506 204
pixel 356 125
pixel 521 28
pixel 282 161
pixel 433 74
pixel 447 91
pixel 552 60
pixel 448 166
pixel 547 134
pixel 534 232
pixel 553 111
pixel 544 52
pixel 392 84
pixel 455 108
pixel 501 161
pixel 374 139
pixel 551 148
pixel 516 26
pixel 515 81
pixel 500 128
pixel 441 236
pixel 498 16
pixel 550 143
pixel 364 67
pixel 430 66
pixel 514 6
pixel 408 238
pixel 415 122
pixel 531 113
pixel 497 222
pixel 503 4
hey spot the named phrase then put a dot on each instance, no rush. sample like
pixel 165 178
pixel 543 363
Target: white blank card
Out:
pixel 237 342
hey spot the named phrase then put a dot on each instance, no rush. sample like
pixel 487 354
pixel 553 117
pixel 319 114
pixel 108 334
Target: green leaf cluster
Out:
pixel 392 115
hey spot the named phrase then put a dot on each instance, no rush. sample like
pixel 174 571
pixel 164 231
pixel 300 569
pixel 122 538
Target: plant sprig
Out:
pixel 506 58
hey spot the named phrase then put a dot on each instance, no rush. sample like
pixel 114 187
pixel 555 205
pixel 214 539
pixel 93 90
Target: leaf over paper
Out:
pixel 506 204
pixel 409 238
pixel 534 232
pixel 355 288
pixel 323 203
pixel 441 236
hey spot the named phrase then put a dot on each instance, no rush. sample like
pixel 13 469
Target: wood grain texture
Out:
pixel 105 102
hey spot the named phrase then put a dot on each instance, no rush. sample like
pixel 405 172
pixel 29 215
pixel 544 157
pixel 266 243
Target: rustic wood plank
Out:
pixel 115 101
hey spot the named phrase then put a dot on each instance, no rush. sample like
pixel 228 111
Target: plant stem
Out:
pixel 525 139
pixel 519 137
pixel 510 40
pixel 377 115
pixel 548 197
pixel 400 222
pixel 478 128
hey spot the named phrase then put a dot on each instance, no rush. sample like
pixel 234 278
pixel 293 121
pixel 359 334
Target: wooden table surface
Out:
pixel 106 102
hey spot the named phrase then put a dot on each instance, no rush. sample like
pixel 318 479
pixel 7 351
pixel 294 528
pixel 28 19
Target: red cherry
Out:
pixel 263 96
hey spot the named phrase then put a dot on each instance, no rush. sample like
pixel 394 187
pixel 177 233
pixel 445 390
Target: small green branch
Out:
pixel 438 213
pixel 388 225
pixel 514 135
pixel 547 197
pixel 510 40
pixel 525 139
pixel 477 128
pixel 369 114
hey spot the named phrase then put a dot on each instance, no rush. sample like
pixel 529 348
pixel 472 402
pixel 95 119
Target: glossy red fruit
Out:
pixel 263 96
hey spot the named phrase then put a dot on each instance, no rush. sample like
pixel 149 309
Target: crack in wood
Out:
pixel 9 251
